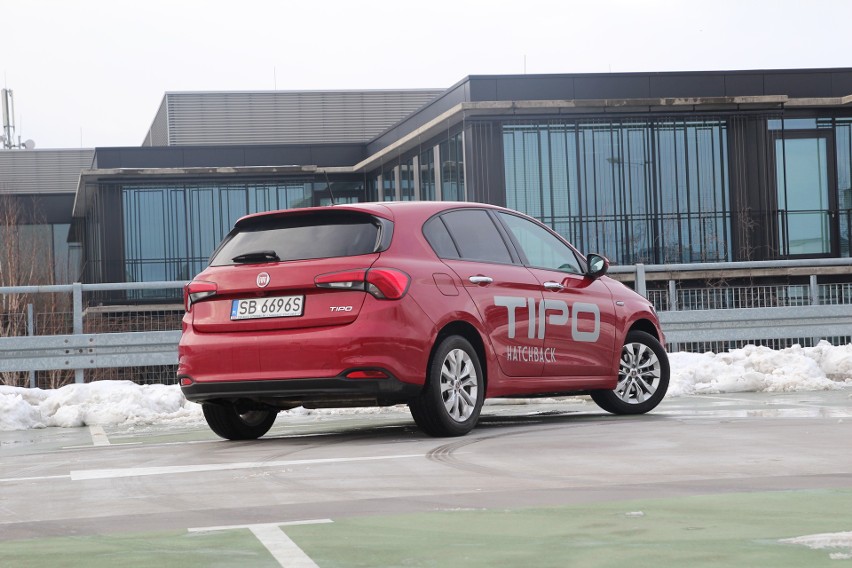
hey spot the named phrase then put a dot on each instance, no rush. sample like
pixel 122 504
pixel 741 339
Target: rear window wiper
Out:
pixel 257 256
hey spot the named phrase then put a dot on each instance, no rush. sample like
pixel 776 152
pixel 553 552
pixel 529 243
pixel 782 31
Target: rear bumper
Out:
pixel 310 393
pixel 395 337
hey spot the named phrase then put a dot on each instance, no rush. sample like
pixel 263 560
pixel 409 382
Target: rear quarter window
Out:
pixel 476 236
pixel 302 237
pixel 436 233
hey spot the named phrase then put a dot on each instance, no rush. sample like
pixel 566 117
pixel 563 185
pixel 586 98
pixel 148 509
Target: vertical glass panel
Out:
pixel 802 176
pixel 233 202
pixel 179 267
pixel 636 191
pixel 389 182
pixel 373 187
pixel 170 230
pixel 261 197
pixel 204 221
pixel 452 169
pixel 297 194
pixel 145 251
pixel 406 180
pixel 843 141
pixel 427 175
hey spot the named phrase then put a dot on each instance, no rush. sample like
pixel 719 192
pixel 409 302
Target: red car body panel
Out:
pixel 342 330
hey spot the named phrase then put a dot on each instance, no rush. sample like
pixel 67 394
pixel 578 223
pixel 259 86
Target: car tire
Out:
pixel 451 399
pixel 643 377
pixel 229 422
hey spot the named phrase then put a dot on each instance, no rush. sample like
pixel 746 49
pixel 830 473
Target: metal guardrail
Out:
pixel 89 351
pixel 685 325
pixel 756 324
pixel 80 351
pixel 730 315
pixel 641 273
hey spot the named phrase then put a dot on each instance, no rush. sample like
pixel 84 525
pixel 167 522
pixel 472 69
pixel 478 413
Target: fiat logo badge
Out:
pixel 263 280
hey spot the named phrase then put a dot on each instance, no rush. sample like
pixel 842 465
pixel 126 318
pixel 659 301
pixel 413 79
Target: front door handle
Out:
pixel 481 280
pixel 553 286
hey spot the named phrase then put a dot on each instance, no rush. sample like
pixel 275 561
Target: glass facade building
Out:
pixel 651 168
pixel 170 230
pixel 639 191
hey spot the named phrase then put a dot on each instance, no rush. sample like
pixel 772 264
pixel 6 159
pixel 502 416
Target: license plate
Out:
pixel 272 307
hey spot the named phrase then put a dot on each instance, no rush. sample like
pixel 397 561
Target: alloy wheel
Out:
pixel 638 374
pixel 459 385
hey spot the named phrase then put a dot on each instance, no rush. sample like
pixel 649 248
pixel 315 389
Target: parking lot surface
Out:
pixel 714 480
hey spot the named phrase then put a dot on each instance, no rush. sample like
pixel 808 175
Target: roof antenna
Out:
pixel 328 185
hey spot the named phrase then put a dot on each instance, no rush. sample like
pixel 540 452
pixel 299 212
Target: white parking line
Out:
pixel 282 548
pixel 99 437
pixel 89 474
pixel 39 478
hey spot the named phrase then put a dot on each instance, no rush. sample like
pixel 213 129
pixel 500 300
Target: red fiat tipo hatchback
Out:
pixel 435 305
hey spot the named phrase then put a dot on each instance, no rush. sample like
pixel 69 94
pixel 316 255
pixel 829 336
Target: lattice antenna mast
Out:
pixel 7 138
pixel 8 120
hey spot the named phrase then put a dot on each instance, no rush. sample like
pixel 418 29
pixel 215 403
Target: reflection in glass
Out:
pixel 427 175
pixel 452 169
pixel 636 191
pixel 389 183
pixel 802 181
pixel 170 230
pixel 406 180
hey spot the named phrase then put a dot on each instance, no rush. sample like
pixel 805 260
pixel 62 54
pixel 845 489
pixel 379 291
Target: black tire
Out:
pixel 452 397
pixel 643 377
pixel 230 423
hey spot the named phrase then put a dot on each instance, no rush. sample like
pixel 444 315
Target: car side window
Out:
pixel 476 236
pixel 439 238
pixel 542 249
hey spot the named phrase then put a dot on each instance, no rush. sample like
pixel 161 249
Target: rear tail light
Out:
pixel 346 280
pixel 197 290
pixel 382 283
pixel 387 283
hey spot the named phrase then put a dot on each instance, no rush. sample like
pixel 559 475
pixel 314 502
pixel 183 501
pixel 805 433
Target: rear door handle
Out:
pixel 481 280
pixel 553 286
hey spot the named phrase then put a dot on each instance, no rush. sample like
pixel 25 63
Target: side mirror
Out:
pixel 598 265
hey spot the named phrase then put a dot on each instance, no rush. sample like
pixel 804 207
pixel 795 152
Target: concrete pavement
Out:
pixel 703 481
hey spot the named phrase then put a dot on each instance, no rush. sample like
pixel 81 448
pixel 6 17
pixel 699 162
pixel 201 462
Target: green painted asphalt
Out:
pixel 727 530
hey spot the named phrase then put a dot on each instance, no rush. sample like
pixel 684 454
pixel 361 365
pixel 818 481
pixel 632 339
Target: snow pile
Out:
pixel 97 403
pixel 842 540
pixel 760 369
pixel 751 369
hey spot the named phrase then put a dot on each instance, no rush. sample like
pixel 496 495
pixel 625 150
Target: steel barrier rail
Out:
pixel 755 265
pixel 810 267
pixel 81 351
pixel 108 350
pixel 755 324
pixel 88 351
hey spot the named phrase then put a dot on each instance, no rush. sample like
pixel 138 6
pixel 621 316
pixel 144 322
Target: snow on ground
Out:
pixel 760 369
pixel 841 540
pixel 751 369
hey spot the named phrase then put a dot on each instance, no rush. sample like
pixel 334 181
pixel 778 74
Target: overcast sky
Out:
pixel 93 73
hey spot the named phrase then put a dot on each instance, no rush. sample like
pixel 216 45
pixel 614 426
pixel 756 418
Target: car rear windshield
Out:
pixel 299 237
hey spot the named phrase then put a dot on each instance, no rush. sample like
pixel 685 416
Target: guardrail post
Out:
pixel 31 332
pixel 814 300
pixel 814 290
pixel 672 296
pixel 640 280
pixel 77 301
